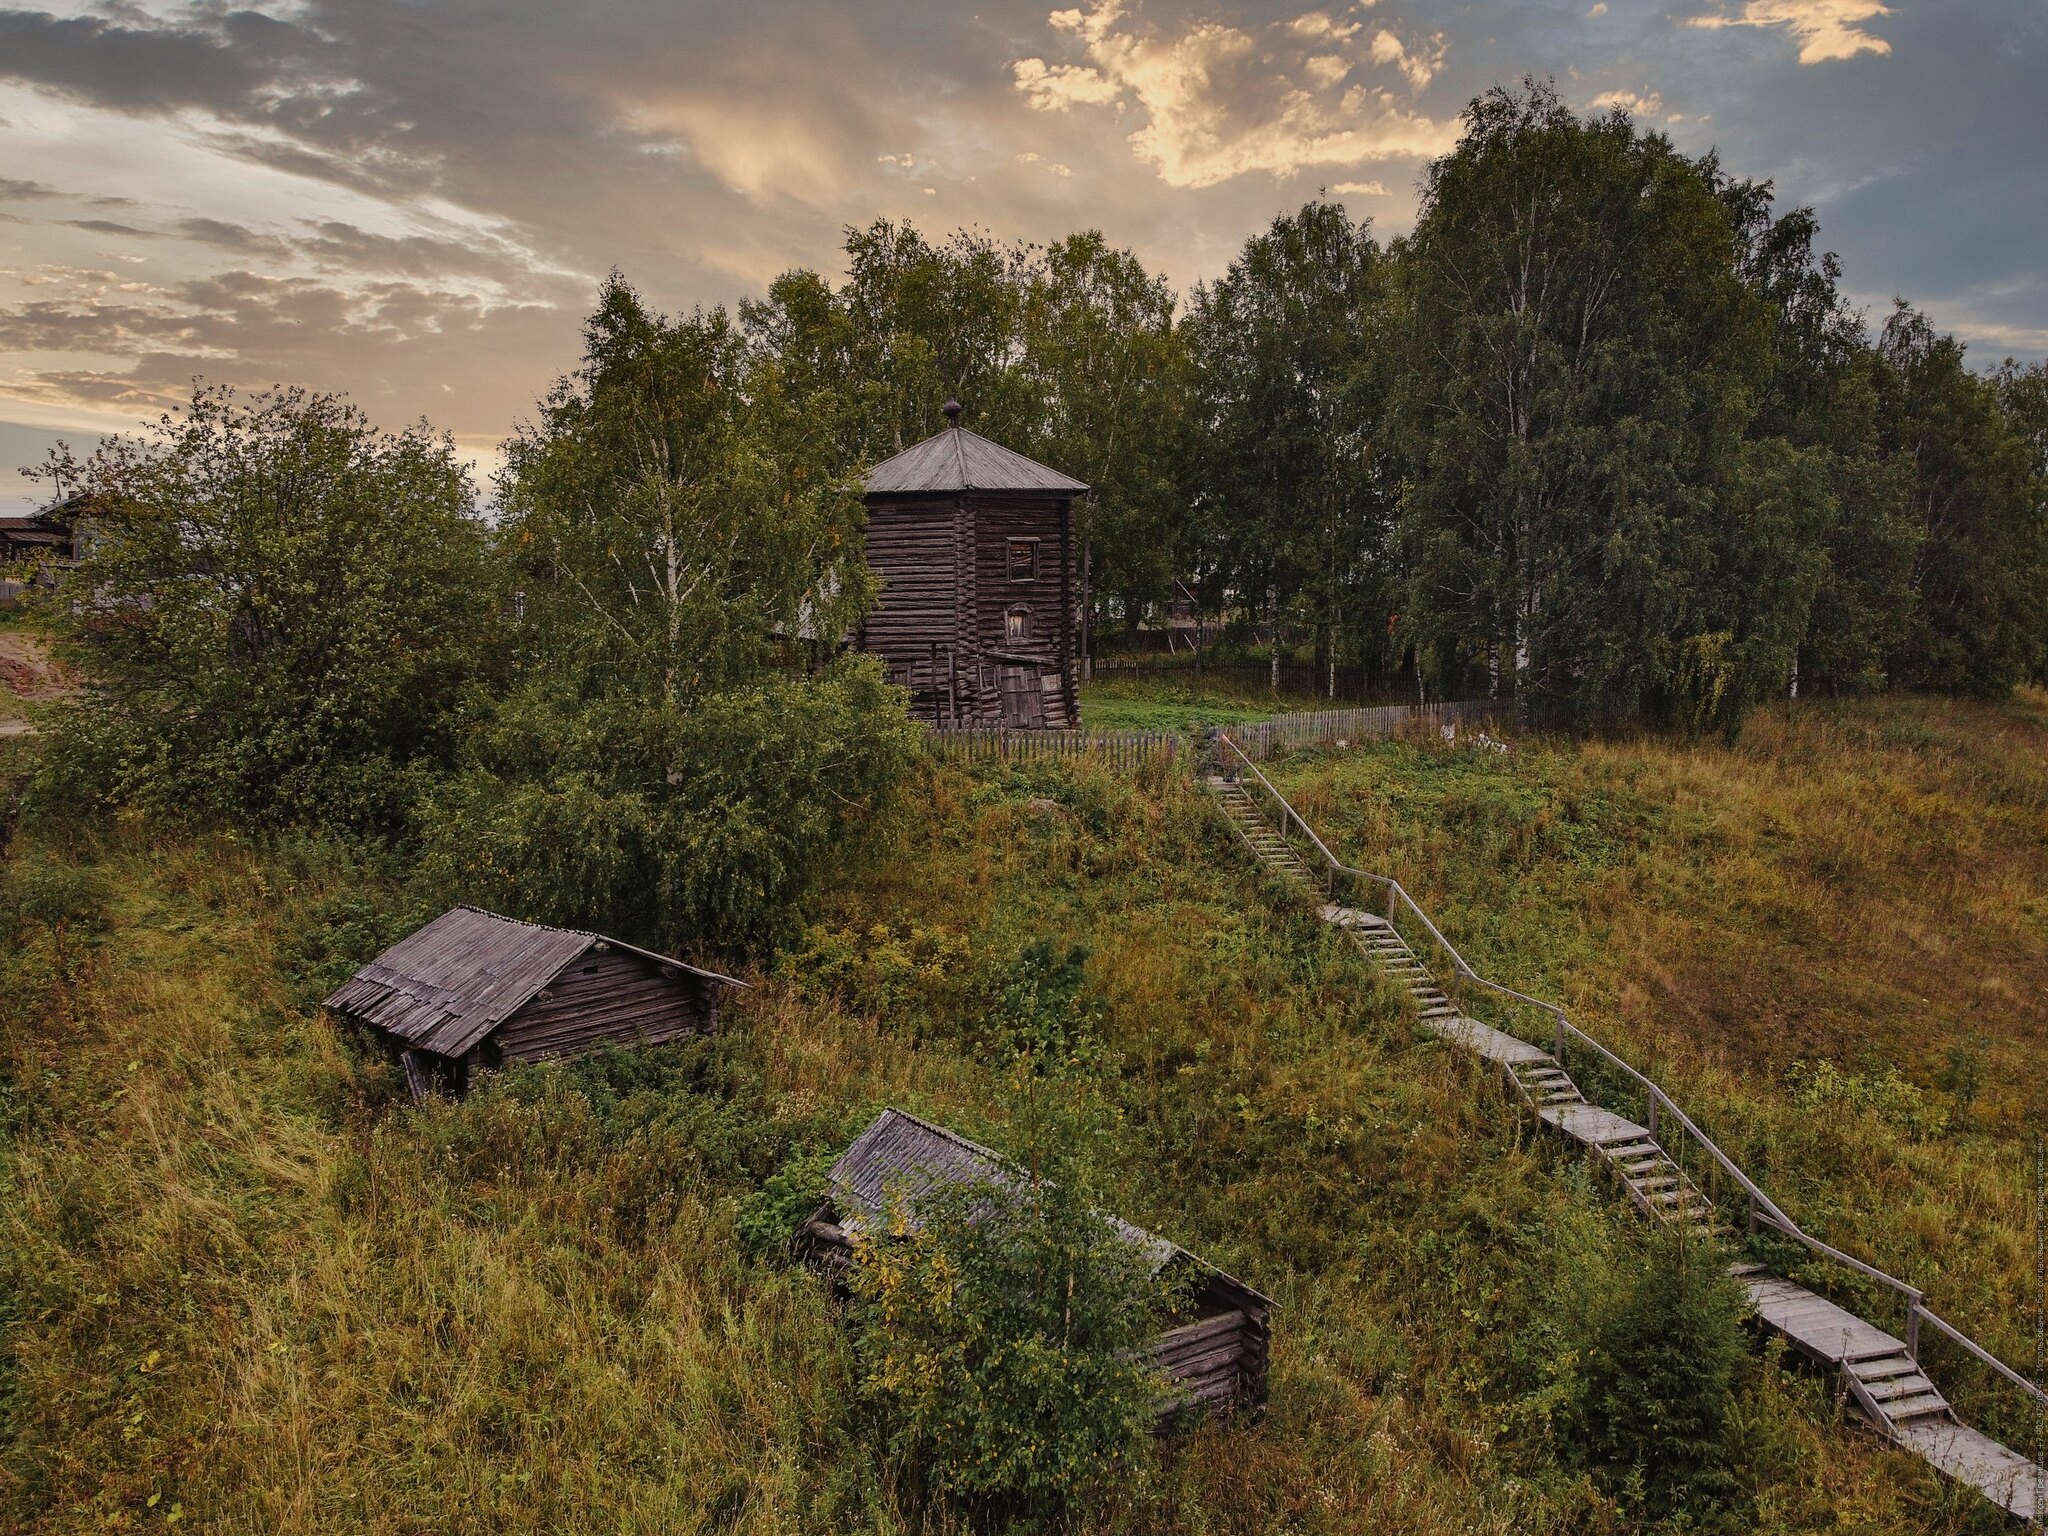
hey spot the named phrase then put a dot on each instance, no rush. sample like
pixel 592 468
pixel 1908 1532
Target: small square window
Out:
pixel 1017 625
pixel 1023 559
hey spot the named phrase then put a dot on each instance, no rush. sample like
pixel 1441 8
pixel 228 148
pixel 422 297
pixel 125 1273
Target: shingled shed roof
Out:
pixel 900 1156
pixel 449 984
pixel 959 460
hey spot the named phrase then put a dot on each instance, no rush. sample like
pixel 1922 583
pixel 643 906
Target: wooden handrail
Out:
pixel 1767 1210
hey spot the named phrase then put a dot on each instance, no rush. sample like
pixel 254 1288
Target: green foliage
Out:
pixel 1001 1328
pixel 286 609
pixel 1819 1086
pixel 768 1218
pixel 1288 477
pixel 1587 520
pixel 57 897
pixel 1980 615
pixel 1040 1012
pixel 909 973
pixel 676 829
pixel 1659 1379
pixel 675 527
pixel 667 767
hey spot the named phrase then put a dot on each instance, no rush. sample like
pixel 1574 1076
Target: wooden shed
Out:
pixel 472 989
pixel 1214 1352
pixel 974 546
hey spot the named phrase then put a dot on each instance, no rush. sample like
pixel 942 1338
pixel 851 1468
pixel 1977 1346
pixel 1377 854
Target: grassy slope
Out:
pixel 1177 698
pixel 1817 935
pixel 241 1283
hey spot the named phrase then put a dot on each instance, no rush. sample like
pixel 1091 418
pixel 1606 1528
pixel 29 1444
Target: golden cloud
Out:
pixel 1216 101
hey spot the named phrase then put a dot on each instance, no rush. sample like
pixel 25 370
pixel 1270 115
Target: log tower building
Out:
pixel 974 548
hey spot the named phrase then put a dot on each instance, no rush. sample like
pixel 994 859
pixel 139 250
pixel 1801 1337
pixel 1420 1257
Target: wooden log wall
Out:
pixel 1215 1362
pixel 1049 596
pixel 605 997
pixel 916 547
pixel 940 621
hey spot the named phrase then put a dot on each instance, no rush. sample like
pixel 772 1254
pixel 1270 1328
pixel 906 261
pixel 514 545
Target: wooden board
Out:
pixel 1589 1123
pixel 1816 1326
pixel 2003 1476
pixel 1490 1042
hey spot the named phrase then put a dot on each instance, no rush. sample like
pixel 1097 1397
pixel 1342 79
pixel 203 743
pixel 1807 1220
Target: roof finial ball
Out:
pixel 951 411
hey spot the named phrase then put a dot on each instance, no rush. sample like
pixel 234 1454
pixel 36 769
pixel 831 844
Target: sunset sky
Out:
pixel 414 203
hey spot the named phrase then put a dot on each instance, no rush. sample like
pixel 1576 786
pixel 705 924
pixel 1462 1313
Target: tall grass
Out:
pixel 242 1284
pixel 1831 937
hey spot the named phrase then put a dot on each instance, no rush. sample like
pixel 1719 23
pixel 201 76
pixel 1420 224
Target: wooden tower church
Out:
pixel 974 548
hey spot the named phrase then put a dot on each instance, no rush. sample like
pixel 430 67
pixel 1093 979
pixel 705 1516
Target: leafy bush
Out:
pixel 1889 1097
pixel 677 831
pixel 767 1218
pixel 288 607
pixel 908 973
pixel 1038 1009
pixel 1003 1337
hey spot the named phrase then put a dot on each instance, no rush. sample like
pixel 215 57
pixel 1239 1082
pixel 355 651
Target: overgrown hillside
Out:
pixel 1831 940
pixel 246 1288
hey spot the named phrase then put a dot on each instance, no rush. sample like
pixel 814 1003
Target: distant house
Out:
pixel 472 989
pixel 39 546
pixel 1215 1353
pixel 36 536
pixel 974 545
pixel 59 534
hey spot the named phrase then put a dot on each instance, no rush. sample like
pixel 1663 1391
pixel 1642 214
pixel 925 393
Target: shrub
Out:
pixel 1660 1378
pixel 704 829
pixel 288 608
pixel 1003 1336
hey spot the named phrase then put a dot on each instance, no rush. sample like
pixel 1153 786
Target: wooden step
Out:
pixel 1927 1405
pixel 1890 1367
pixel 1901 1387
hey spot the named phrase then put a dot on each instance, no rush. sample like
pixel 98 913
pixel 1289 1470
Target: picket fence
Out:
pixel 1129 751
pixel 1125 751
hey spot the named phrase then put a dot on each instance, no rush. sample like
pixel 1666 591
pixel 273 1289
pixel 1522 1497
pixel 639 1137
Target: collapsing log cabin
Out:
pixel 475 990
pixel 974 546
pixel 1215 1353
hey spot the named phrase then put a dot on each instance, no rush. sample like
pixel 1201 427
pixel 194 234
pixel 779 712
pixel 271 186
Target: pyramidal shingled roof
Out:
pixel 959 460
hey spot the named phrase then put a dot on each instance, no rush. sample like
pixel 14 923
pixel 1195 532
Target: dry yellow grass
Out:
pixel 242 1286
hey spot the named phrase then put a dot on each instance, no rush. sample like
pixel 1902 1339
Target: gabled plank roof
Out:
pixel 902 1157
pixel 959 460
pixel 445 986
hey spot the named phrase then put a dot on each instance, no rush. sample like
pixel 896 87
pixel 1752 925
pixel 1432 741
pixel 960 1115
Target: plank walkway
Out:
pixel 1880 1373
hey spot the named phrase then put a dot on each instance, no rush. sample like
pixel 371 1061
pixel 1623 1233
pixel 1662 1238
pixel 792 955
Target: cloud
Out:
pixel 156 68
pixel 229 236
pixel 1826 29
pixel 1635 103
pixel 1360 189
pixel 1420 65
pixel 255 329
pixel 1217 101
pixel 10 189
pixel 109 227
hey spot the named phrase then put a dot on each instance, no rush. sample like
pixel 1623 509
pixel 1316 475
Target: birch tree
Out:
pixel 1590 521
pixel 683 750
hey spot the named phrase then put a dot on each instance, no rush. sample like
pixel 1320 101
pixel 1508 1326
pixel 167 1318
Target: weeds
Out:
pixel 239 1279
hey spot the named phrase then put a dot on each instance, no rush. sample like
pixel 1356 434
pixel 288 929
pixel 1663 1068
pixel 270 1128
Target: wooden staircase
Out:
pixel 1653 1180
pixel 1880 1374
pixel 1267 845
